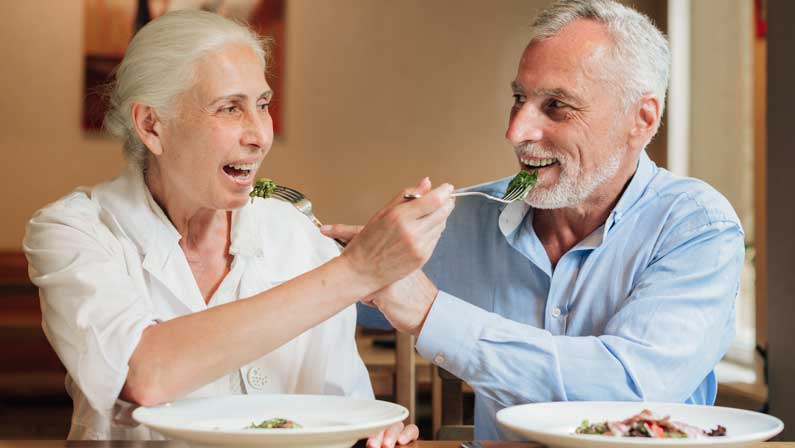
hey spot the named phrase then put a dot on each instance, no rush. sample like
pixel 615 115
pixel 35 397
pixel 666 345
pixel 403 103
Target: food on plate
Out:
pixel 646 424
pixel 263 188
pixel 275 423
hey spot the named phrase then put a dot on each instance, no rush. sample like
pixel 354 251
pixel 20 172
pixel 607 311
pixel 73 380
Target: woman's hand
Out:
pixel 400 238
pixel 395 434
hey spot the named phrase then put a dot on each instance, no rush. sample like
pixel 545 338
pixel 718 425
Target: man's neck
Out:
pixel 563 228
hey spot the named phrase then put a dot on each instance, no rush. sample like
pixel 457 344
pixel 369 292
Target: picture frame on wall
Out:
pixel 110 24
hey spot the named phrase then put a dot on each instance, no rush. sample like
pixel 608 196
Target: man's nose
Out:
pixel 525 125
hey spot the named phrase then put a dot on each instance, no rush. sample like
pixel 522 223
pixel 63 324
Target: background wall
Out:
pixel 378 95
pixel 721 100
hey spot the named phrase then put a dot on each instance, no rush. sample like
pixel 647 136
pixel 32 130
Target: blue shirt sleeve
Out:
pixel 370 317
pixel 660 345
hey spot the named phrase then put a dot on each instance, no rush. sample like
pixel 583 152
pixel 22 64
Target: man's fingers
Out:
pixel 409 434
pixel 341 231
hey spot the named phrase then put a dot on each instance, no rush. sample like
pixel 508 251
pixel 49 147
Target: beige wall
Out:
pixel 721 108
pixel 43 150
pixel 378 94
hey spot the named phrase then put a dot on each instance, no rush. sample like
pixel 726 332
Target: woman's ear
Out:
pixel 646 122
pixel 148 127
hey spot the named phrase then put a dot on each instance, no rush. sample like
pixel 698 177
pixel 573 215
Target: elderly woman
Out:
pixel 167 282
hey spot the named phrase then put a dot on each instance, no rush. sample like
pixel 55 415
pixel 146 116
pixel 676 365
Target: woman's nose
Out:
pixel 525 125
pixel 258 132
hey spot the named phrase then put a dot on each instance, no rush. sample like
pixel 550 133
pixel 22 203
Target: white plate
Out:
pixel 554 423
pixel 327 421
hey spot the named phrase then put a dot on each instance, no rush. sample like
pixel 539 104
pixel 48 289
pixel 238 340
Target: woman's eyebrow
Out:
pixel 242 96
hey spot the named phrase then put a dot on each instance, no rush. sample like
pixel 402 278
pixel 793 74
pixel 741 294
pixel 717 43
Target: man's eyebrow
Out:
pixel 561 93
pixel 558 93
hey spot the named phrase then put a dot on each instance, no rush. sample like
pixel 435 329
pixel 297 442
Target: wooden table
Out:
pixel 418 444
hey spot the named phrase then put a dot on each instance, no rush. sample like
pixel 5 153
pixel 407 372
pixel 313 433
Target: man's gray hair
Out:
pixel 640 54
pixel 159 65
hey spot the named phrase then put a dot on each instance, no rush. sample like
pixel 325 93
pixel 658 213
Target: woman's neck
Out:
pixel 196 224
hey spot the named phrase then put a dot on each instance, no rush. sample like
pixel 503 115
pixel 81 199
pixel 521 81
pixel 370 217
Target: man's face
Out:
pixel 567 121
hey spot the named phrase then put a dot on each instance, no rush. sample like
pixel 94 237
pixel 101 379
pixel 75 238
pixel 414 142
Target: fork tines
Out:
pixel 513 194
pixel 287 193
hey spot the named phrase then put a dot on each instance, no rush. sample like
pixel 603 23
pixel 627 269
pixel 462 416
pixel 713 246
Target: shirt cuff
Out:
pixel 450 332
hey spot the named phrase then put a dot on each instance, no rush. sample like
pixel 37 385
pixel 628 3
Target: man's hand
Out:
pixel 406 303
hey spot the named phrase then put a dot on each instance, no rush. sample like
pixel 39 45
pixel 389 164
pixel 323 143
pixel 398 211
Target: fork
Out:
pixel 471 444
pixel 510 196
pixel 303 204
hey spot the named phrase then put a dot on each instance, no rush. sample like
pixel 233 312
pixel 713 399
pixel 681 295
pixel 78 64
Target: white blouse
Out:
pixel 107 263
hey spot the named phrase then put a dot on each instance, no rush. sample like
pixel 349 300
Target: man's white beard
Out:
pixel 571 189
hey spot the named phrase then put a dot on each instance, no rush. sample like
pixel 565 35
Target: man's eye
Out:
pixel 518 99
pixel 229 109
pixel 557 110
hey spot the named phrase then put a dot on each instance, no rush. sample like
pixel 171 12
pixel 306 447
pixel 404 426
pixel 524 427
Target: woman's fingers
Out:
pixel 409 434
pixel 428 203
pixel 422 187
pixel 391 435
pixel 344 232
pixel 398 239
pixel 375 441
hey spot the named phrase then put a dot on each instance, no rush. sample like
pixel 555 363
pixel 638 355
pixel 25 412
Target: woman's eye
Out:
pixel 263 106
pixel 229 109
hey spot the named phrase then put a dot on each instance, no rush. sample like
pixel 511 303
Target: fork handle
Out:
pixel 411 196
pixel 319 224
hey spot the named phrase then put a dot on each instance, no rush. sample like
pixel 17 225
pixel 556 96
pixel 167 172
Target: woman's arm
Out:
pixel 178 356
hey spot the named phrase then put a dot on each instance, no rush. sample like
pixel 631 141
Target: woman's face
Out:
pixel 214 144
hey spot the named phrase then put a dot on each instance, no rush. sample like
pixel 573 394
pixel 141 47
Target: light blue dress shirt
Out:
pixel 641 309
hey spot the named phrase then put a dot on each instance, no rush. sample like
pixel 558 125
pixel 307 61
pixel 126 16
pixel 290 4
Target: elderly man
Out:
pixel 615 279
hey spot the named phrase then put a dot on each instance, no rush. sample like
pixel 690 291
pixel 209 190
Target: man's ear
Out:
pixel 148 127
pixel 645 122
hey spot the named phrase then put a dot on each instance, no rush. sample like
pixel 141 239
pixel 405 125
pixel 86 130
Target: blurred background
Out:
pixel 373 95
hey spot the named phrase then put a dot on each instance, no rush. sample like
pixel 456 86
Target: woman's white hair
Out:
pixel 159 65
pixel 640 62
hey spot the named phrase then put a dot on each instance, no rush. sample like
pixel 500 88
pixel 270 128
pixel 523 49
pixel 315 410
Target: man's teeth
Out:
pixel 244 166
pixel 538 163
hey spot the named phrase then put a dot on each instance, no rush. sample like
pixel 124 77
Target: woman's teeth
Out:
pixel 240 170
pixel 244 166
pixel 538 163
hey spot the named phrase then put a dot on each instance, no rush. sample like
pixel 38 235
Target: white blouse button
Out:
pixel 438 359
pixel 556 312
pixel 256 378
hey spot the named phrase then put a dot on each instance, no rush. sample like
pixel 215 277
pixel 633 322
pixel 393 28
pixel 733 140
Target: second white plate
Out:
pixel 327 421
pixel 554 423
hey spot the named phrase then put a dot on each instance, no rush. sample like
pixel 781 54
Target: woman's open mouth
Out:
pixel 242 172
